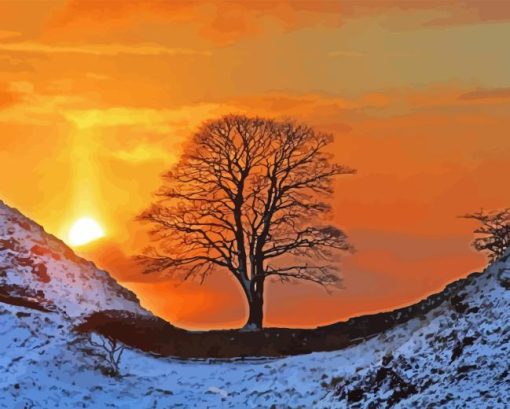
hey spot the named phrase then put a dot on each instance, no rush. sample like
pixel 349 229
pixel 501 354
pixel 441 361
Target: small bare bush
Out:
pixel 111 350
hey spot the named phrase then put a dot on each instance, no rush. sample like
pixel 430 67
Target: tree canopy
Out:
pixel 250 196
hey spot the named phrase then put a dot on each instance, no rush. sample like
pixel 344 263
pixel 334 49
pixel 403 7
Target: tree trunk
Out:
pixel 256 305
pixel 256 315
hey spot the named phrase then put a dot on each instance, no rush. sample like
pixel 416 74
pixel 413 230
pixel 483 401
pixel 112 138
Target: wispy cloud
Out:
pixel 154 120
pixel 143 153
pixel 224 22
pixel 487 94
pixel 22 87
pixel 141 49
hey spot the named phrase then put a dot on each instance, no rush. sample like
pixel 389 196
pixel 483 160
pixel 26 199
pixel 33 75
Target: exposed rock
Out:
pixel 504 278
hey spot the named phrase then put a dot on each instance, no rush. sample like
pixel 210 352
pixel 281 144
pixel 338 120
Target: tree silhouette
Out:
pixel 248 196
pixel 493 232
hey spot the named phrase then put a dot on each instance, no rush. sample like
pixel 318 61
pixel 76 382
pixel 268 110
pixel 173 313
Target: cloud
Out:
pixel 156 120
pixel 9 96
pixel 224 22
pixel 22 87
pixel 142 49
pixel 221 22
pixel 5 34
pixel 498 93
pixel 118 116
pixel 9 64
pixel 321 107
pixel 472 12
pixel 143 153
pixel 314 106
pixel 96 76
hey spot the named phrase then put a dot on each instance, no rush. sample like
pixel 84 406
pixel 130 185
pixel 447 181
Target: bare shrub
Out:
pixel 493 232
pixel 111 350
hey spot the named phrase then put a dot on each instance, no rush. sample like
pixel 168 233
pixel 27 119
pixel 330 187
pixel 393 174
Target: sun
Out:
pixel 84 231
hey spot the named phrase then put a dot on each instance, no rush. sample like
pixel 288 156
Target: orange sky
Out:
pixel 97 99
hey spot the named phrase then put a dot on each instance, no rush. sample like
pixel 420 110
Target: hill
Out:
pixel 450 350
pixel 39 269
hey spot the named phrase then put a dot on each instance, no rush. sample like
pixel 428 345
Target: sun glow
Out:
pixel 84 231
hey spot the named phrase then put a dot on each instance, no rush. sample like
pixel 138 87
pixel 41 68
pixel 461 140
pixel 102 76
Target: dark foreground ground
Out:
pixel 154 335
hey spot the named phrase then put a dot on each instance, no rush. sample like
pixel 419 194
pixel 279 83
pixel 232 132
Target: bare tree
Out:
pixel 111 350
pixel 249 196
pixel 493 232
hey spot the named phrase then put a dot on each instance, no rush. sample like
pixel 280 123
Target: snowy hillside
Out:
pixel 454 356
pixel 38 267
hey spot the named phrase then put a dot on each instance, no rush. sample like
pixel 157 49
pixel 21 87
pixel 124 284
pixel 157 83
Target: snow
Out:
pixel 455 356
pixel 32 259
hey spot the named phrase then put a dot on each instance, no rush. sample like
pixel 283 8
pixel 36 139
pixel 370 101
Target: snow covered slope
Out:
pixel 37 267
pixel 454 356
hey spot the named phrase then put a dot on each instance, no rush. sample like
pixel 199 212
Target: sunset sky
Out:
pixel 98 98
